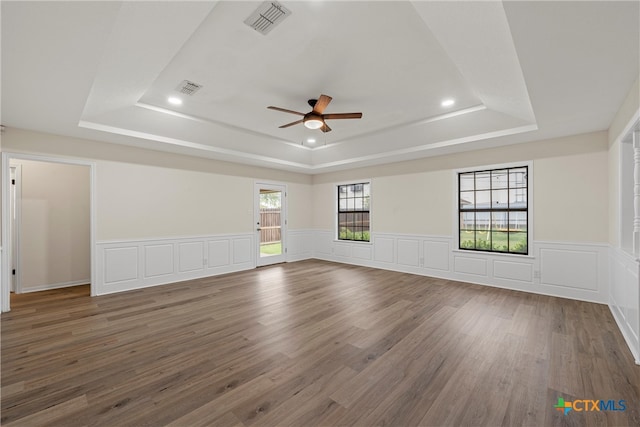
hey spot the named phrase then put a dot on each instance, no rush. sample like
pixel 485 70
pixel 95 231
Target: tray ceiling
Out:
pixel 518 71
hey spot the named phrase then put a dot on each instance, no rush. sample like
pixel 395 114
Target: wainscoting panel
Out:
pixel 436 254
pixel 191 257
pixel 573 269
pixel 569 270
pixel 513 270
pixel 624 297
pixel 470 265
pixel 409 252
pixel 342 250
pixel 579 271
pixel 384 249
pixel 121 264
pixel 219 253
pixel 242 250
pixel 299 245
pixel 322 244
pixel 362 252
pixel 158 260
pixel 127 265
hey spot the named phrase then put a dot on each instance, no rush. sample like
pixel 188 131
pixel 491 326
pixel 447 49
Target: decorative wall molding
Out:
pixel 133 264
pixel 624 297
pixel 124 265
pixel 299 245
pixel 569 270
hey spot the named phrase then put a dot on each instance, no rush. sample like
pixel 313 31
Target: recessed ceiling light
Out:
pixel 311 140
pixel 448 102
pixel 175 101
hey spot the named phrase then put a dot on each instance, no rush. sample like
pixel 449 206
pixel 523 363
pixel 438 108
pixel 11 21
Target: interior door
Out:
pixel 271 223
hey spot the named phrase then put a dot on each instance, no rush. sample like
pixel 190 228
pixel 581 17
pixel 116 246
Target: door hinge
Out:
pixel 13 272
pixel 285 250
pixel 13 182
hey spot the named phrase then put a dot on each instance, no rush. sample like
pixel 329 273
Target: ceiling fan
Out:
pixel 315 119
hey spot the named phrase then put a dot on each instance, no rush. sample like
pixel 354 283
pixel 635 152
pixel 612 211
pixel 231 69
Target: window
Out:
pixel 493 210
pixel 353 211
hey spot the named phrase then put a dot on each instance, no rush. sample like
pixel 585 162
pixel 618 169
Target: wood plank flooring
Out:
pixel 311 343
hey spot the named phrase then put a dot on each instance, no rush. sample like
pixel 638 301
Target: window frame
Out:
pixel 337 210
pixel 457 211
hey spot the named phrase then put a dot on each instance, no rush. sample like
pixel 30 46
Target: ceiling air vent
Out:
pixel 188 88
pixel 267 16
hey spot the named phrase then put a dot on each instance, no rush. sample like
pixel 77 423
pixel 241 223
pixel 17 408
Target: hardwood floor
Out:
pixel 311 343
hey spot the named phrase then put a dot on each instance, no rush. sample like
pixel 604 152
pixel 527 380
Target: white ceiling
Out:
pixel 519 71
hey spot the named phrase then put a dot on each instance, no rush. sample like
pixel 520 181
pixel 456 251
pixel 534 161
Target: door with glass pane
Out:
pixel 271 222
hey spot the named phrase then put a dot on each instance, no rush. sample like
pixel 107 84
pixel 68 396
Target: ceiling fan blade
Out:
pixel 291 124
pixel 321 104
pixel 325 128
pixel 342 116
pixel 284 110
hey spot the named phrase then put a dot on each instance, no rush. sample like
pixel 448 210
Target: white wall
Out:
pixel 413 219
pixel 163 217
pixel 570 190
pixel 139 201
pixel 54 225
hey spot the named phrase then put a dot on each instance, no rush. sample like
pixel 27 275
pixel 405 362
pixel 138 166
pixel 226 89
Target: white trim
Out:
pixel 55 286
pixel 424 121
pixel 217 123
pixel 188 144
pixel 163 238
pixel 4 264
pixel 424 148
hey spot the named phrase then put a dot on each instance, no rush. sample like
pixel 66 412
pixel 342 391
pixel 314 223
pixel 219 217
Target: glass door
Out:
pixel 270 220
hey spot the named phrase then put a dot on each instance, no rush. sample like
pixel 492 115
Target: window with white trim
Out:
pixel 493 210
pixel 353 211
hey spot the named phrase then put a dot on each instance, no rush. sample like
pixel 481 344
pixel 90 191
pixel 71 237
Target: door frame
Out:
pixel 5 278
pixel 15 201
pixel 258 185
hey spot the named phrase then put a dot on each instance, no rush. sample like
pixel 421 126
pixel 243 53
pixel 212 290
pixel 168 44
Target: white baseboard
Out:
pixel 54 286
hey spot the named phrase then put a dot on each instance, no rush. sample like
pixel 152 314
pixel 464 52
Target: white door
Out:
pixel 271 223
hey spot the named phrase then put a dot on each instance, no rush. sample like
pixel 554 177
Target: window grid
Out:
pixel 353 212
pixel 493 210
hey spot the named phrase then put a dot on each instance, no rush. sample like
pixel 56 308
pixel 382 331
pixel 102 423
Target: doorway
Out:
pixel 271 223
pixel 40 238
pixel 14 224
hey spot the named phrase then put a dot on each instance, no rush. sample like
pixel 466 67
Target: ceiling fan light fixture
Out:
pixel 313 122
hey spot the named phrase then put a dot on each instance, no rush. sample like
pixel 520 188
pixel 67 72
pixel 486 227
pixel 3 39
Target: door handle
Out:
pixel 259 228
